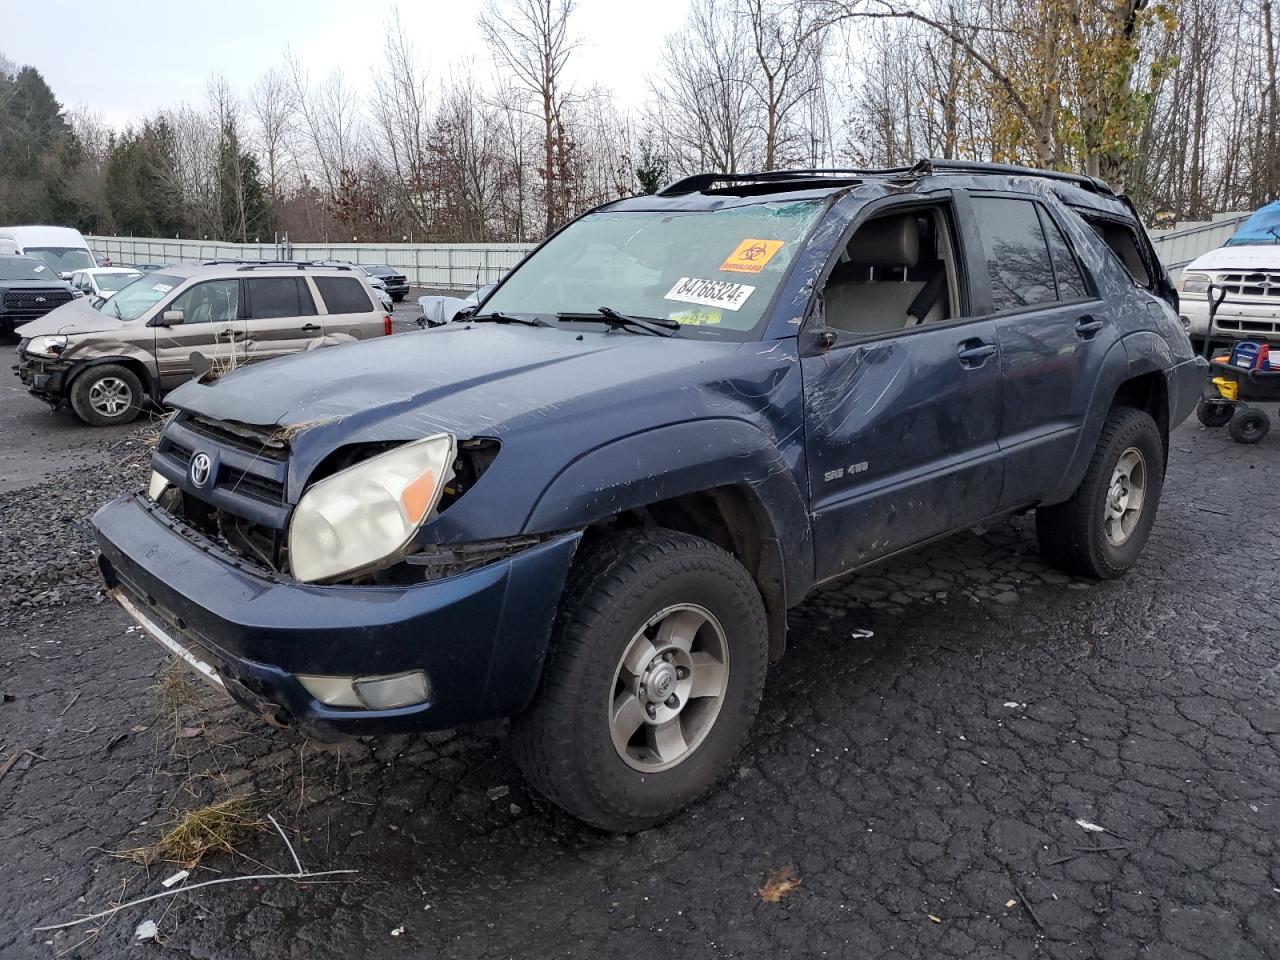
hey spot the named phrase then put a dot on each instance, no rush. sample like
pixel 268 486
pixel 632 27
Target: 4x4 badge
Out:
pixel 200 465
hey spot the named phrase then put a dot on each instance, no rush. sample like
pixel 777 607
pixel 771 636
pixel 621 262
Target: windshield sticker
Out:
pixel 38 268
pixel 161 287
pixel 751 255
pixel 710 293
pixel 695 318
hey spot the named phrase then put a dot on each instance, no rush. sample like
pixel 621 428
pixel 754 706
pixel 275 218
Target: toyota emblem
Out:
pixel 41 299
pixel 200 467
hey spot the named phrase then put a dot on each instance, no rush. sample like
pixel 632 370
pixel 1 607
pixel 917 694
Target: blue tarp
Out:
pixel 1262 227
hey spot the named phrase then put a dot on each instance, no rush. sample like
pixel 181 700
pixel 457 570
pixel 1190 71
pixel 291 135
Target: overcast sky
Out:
pixel 127 59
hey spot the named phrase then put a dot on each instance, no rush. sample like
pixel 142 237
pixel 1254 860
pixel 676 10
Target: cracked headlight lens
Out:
pixel 47 346
pixel 367 514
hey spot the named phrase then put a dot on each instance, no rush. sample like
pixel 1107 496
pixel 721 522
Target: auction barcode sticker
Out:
pixel 710 293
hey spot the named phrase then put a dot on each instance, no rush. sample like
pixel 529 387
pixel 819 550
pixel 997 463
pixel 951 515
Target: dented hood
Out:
pixel 469 380
pixel 73 317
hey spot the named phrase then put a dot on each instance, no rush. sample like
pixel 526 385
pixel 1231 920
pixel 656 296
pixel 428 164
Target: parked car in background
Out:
pixel 108 357
pixel 590 505
pixel 103 282
pixel 101 259
pixel 29 289
pixel 440 309
pixel 1247 270
pixel 396 283
pixel 62 248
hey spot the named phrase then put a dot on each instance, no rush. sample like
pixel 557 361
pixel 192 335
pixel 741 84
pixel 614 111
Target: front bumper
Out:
pixel 398 289
pixel 45 379
pixel 480 636
pixel 1238 321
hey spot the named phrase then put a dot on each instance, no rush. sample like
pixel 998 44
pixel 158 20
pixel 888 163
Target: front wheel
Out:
pixel 106 395
pixel 652 682
pixel 1101 530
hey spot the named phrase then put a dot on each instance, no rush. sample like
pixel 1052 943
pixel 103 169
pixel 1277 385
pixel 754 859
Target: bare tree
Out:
pixel 401 111
pixel 786 48
pixel 272 105
pixel 532 38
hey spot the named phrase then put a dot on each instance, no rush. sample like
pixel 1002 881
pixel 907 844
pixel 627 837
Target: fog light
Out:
pixel 1186 321
pixel 387 693
pixel 376 693
pixel 157 486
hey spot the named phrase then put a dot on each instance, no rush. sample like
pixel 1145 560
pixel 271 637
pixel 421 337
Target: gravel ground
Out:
pixel 917 793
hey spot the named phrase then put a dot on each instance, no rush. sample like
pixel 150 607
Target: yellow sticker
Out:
pixel 695 318
pixel 751 255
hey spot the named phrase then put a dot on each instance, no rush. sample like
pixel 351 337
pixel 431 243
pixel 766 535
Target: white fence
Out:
pixel 458 266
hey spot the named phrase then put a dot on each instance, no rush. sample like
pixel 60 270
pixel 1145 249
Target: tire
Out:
pixel 1213 414
pixel 107 395
pixel 397 297
pixel 1084 535
pixel 1248 425
pixel 619 586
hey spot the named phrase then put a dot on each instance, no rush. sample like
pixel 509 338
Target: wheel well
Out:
pixel 136 367
pixel 734 519
pixel 1148 392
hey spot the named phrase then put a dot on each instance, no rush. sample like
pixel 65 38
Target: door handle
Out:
pixel 973 353
pixel 309 328
pixel 230 334
pixel 1087 326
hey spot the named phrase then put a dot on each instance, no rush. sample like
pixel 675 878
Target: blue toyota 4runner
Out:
pixel 589 504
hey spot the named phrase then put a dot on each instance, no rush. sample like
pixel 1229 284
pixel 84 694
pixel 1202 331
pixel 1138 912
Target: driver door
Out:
pixel 212 327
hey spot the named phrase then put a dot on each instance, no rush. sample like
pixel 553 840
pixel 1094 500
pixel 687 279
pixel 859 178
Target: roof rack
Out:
pixel 244 264
pixel 700 182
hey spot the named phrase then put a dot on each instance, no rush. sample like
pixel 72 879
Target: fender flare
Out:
pixel 1133 355
pixel 695 456
pixel 150 382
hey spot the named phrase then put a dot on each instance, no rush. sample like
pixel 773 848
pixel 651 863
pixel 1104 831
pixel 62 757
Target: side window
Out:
pixel 897 271
pixel 1016 253
pixel 344 294
pixel 1071 285
pixel 271 297
pixel 1122 242
pixel 214 301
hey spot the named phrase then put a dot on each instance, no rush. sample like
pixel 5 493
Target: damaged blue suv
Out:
pixel 588 504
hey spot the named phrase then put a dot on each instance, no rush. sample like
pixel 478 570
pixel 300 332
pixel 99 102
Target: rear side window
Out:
pixel 1066 268
pixel 1016 253
pixel 271 297
pixel 343 294
pixel 1124 244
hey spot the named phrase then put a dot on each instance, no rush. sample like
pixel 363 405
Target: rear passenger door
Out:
pixel 282 317
pixel 1053 333
pixel 350 309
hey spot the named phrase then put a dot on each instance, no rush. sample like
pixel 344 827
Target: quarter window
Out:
pixel 1017 256
pixel 344 294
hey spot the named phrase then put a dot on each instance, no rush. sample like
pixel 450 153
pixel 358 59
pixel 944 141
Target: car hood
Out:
pixel 1244 257
pixel 73 317
pixel 467 379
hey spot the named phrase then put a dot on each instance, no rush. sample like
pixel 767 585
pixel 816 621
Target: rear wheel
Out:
pixel 107 395
pixel 1248 425
pixel 1101 530
pixel 652 682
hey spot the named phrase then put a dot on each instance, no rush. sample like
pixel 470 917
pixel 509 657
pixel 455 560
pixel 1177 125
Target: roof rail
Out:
pixel 243 264
pixel 699 182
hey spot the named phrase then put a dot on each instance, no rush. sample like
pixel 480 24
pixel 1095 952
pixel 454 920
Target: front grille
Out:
pixel 23 306
pixel 1248 325
pixel 1263 285
pixel 257 441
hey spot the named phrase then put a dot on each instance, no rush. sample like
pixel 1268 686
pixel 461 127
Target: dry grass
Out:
pixel 217 828
pixel 177 687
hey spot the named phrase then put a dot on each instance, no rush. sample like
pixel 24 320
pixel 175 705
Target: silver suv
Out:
pixel 107 357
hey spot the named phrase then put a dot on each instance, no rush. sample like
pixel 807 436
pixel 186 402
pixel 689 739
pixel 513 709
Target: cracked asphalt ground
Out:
pixel 923 785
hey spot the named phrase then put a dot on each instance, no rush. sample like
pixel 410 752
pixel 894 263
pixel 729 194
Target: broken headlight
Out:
pixel 367 514
pixel 46 346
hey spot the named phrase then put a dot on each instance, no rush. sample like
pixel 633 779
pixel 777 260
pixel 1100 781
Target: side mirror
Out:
pixel 170 318
pixel 65 275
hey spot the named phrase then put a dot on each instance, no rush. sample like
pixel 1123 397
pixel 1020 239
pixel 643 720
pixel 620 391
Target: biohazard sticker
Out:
pixel 710 293
pixel 751 255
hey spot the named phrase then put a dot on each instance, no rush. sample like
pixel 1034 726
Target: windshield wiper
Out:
pixel 499 317
pixel 654 326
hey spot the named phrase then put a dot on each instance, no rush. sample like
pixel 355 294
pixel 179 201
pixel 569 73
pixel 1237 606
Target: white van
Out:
pixel 62 248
